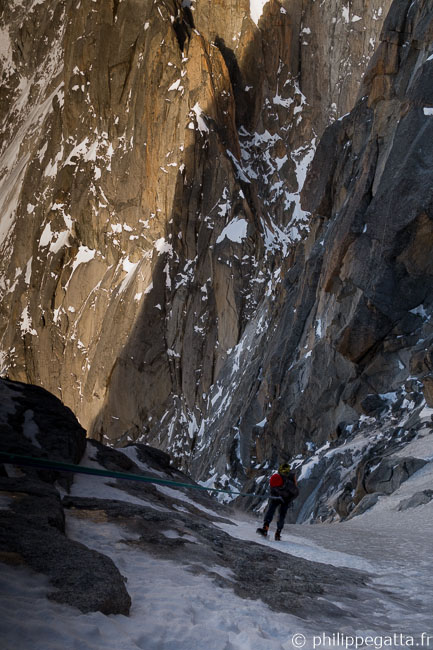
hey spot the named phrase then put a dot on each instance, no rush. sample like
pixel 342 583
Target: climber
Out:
pixel 284 489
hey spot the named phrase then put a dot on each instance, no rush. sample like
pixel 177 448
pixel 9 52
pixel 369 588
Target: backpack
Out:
pixel 284 486
pixel 276 480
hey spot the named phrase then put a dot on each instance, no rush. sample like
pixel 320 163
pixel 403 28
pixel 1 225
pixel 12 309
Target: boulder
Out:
pixel 37 423
pixel 373 405
pixel 390 473
pixel 417 499
pixel 35 501
pixel 365 504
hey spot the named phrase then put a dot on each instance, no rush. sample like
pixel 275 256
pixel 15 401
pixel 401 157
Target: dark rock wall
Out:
pixel 351 320
pixel 373 290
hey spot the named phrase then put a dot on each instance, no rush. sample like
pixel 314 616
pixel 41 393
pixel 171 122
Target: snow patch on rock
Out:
pixel 235 230
pixel 256 9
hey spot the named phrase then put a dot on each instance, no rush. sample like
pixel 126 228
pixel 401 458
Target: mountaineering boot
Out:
pixel 263 531
pixel 277 535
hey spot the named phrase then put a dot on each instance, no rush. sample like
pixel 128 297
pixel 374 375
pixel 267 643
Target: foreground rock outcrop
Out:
pixel 32 531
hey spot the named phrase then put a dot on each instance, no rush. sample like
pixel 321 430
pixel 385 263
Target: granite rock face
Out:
pixel 375 459
pixel 159 271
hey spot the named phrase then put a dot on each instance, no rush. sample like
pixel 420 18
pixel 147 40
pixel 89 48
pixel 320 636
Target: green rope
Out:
pixel 44 463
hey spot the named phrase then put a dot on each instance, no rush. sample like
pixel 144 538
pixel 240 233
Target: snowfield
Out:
pixel 175 606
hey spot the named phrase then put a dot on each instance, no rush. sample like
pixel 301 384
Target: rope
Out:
pixel 44 463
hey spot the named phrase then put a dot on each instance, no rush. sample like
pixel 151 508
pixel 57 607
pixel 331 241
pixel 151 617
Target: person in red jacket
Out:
pixel 284 489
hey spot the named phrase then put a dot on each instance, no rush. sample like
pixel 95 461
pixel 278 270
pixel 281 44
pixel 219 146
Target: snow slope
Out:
pixel 177 607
